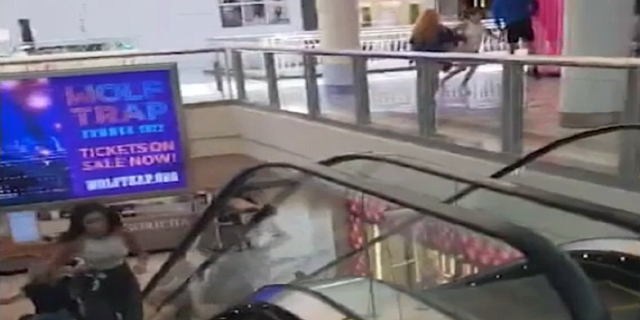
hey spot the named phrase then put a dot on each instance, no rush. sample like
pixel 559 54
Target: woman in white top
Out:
pixel 96 235
pixel 473 31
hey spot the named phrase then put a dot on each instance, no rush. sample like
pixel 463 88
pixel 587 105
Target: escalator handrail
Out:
pixel 575 206
pixel 241 311
pixel 436 305
pixel 521 162
pixel 349 314
pixel 563 274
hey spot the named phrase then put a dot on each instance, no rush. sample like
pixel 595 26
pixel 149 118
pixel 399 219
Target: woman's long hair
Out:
pixel 426 26
pixel 79 212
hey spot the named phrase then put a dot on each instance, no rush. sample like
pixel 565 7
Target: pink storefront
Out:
pixel 549 27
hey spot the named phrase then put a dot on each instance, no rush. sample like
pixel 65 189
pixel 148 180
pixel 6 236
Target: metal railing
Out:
pixel 511 102
pixel 424 114
pixel 395 38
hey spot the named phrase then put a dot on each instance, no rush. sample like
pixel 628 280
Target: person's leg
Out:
pixel 132 308
pixel 528 37
pixel 97 307
pixel 129 301
pixel 456 70
pixel 468 75
pixel 514 33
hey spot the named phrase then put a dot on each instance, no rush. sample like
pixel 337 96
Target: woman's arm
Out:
pixel 15 298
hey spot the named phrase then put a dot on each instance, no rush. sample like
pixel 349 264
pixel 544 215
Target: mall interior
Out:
pixel 302 151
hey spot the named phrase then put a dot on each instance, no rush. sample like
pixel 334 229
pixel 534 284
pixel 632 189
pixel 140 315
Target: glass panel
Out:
pixel 291 82
pixel 553 223
pixel 402 177
pixel 557 225
pixel 435 269
pixel 255 77
pixel 392 87
pixel 335 88
pixel 589 98
pixel 305 231
pixel 568 229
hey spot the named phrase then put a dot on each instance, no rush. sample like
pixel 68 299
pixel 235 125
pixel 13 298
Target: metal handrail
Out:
pixel 587 62
pixel 582 208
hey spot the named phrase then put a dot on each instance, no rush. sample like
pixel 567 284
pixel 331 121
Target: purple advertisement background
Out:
pixel 75 137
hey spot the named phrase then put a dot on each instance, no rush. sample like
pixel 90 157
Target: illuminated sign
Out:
pixel 98 134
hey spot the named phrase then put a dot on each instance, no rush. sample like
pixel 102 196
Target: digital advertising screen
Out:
pixel 98 134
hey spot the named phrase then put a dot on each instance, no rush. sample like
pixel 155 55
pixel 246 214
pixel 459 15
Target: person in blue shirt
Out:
pixel 514 16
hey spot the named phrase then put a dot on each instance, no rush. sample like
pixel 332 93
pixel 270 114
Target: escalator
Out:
pixel 561 291
pixel 524 299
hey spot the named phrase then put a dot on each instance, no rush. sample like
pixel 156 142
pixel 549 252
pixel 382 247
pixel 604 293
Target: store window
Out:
pixel 244 13
pixel 366 18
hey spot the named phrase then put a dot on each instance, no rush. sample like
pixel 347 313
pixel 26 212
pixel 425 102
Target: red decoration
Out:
pixel 446 238
pixel 363 209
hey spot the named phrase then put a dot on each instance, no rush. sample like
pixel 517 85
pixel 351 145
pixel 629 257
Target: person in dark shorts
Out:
pixel 515 17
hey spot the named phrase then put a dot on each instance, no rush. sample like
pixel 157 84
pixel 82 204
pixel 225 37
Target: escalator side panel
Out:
pixel 523 299
pixel 374 299
pixel 303 303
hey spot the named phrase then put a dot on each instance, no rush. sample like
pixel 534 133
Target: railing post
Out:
pixel 238 73
pixel 272 80
pixel 512 108
pixel 311 84
pixel 426 89
pixel 629 153
pixel 227 71
pixel 361 91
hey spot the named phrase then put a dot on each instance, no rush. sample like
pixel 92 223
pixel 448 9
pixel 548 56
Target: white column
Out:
pixel 339 26
pixel 593 97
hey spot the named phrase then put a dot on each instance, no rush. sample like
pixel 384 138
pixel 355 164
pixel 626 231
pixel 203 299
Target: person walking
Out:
pixel 515 18
pixel 107 286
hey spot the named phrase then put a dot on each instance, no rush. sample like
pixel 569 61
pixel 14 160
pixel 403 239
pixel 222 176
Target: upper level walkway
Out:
pixel 498 114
